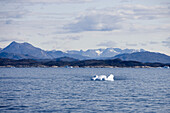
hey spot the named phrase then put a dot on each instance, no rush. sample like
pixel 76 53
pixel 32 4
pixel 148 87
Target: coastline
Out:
pixel 115 63
pixel 9 66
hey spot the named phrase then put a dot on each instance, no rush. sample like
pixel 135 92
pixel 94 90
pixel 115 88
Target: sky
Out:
pixel 87 24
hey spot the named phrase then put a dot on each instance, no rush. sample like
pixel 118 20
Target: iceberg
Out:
pixel 103 78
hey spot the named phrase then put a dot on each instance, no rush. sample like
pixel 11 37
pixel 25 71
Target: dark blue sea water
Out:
pixel 66 90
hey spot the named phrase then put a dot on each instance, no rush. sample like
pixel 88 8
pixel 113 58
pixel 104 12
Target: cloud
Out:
pixel 166 42
pixel 51 42
pixel 12 14
pixel 107 44
pixel 47 1
pixel 149 13
pixel 73 38
pixel 127 17
pixel 16 9
pixel 8 22
pixel 95 22
pixel 60 1
pixel 2 39
pixel 68 38
pixel 143 44
pixel 128 44
pixel 153 42
pixel 125 1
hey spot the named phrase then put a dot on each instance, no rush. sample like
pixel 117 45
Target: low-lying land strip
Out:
pixel 84 63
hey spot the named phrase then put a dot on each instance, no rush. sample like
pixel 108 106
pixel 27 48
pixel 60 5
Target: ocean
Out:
pixel 71 90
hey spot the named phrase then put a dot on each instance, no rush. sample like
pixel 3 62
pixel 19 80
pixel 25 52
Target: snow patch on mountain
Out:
pixel 99 52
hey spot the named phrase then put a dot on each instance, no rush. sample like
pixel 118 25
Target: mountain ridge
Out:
pixel 28 49
pixel 102 53
pixel 25 50
pixel 144 57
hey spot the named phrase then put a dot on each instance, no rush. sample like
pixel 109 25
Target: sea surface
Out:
pixel 70 90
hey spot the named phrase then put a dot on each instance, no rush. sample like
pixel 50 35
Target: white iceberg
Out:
pixel 103 78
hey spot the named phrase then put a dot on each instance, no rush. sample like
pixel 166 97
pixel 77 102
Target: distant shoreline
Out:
pixel 75 67
pixel 114 63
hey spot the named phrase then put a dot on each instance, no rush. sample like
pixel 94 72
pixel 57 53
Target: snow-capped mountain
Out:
pixel 104 53
pixel 16 50
pixel 27 51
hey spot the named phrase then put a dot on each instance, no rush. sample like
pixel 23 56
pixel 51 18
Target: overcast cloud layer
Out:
pixel 118 18
pixel 86 24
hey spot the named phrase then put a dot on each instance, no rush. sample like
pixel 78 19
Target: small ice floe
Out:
pixel 103 78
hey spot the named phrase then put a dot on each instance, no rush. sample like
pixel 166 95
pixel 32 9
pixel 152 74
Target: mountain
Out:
pixel 103 53
pixel 145 57
pixel 15 56
pixel 66 59
pixel 58 54
pixel 25 49
pixel 21 50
